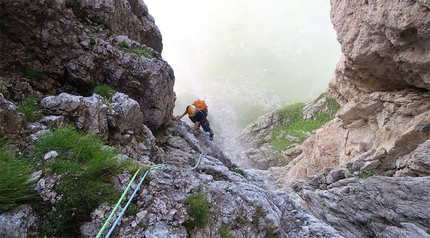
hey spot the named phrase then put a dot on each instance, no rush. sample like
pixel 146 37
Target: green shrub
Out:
pixel 32 74
pixel 199 209
pixel 224 231
pixel 14 173
pixel 30 108
pixel 104 90
pixel 85 181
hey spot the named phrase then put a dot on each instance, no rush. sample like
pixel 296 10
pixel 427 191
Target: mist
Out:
pixel 246 58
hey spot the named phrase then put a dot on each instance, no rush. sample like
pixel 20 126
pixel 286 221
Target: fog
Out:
pixel 246 57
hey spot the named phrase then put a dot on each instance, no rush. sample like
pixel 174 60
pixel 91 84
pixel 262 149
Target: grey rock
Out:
pixel 20 222
pixel 376 206
pixel 11 121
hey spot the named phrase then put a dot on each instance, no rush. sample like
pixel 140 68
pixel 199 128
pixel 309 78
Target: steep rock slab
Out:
pixel 373 207
pixel 385 46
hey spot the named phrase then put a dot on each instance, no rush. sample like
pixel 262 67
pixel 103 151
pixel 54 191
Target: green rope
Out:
pixel 117 204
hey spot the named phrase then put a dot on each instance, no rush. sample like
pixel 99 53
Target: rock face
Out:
pixel 385 46
pixel 382 82
pixel 11 121
pixel 376 134
pixel 121 123
pixel 73 46
pixel 373 207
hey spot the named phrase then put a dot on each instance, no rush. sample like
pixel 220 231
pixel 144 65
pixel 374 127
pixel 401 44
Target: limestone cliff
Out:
pixel 49 47
pixel 382 82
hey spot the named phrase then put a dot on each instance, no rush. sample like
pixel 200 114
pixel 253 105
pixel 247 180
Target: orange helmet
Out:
pixel 191 110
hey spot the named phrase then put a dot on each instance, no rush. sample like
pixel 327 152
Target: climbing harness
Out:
pixel 134 193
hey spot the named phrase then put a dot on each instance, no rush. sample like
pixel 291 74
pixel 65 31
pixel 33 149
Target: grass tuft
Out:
pixel 139 52
pixel 33 74
pixel 30 108
pixel 199 209
pixel 269 234
pixel 298 127
pixel 224 231
pixel 14 174
pixel 85 170
pixel 365 174
pixel 104 90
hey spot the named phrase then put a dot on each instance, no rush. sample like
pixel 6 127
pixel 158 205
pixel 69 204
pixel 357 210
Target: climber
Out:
pixel 199 118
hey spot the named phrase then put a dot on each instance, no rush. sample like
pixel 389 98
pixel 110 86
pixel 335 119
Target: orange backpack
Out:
pixel 201 105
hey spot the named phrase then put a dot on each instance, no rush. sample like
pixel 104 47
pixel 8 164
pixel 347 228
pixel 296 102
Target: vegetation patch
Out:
pixel 224 231
pixel 365 174
pixel 199 209
pixel 85 172
pixel 93 40
pixel 122 44
pixel 32 74
pixel 296 126
pixel 331 103
pixel 237 170
pixel 139 52
pixel 14 174
pixel 132 209
pixel 31 109
pixel 269 234
pixel 3 89
pixel 104 90
pixel 258 213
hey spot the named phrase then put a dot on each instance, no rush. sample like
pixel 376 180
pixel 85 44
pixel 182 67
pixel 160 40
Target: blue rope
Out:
pixel 137 188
